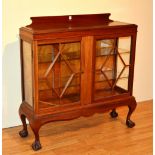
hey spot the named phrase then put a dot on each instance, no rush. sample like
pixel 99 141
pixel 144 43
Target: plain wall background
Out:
pixel 17 13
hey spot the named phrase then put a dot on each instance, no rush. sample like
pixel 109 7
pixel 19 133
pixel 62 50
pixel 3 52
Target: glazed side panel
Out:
pixel 27 72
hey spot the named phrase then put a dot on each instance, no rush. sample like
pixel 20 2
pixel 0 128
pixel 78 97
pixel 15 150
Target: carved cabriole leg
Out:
pixel 23 132
pixel 35 126
pixel 113 113
pixel 131 107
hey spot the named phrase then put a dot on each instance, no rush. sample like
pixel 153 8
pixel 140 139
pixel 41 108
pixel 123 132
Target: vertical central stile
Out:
pixel 87 49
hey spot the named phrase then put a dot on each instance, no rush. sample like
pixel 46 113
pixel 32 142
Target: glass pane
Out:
pixel 122 83
pixel 70 68
pixel 112 67
pixel 123 62
pixel 27 64
pixel 124 44
pixel 72 92
pixel 46 53
pixel 71 51
pixel 105 62
pixel 59 74
pixel 124 74
pixel 104 47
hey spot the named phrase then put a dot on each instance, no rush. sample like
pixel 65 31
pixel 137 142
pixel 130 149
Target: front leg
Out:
pixel 131 107
pixel 35 126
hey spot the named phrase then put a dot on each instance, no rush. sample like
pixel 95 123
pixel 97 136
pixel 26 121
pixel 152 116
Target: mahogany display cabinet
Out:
pixel 74 66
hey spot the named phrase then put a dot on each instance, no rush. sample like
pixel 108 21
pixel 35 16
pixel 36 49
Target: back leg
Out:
pixel 23 132
pixel 113 113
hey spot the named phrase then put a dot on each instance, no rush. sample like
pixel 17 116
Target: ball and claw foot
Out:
pixel 23 133
pixel 130 124
pixel 36 145
pixel 113 114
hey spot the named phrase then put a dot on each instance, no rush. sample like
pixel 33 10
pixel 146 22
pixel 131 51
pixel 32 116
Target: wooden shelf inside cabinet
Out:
pixel 73 66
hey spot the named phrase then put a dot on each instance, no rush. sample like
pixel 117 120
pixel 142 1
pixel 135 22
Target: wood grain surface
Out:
pixel 96 135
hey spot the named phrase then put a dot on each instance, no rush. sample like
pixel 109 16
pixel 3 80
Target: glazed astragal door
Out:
pixel 59 66
pixel 112 63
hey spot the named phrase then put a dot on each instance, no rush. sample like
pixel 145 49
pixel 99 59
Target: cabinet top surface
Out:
pixel 48 24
